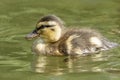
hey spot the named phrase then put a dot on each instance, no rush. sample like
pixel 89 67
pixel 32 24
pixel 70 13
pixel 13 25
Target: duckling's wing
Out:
pixel 84 42
pixel 106 45
pixel 80 46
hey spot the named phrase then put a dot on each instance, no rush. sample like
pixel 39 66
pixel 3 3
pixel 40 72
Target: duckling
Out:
pixel 55 39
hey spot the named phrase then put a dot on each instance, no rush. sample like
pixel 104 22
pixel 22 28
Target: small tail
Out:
pixel 109 45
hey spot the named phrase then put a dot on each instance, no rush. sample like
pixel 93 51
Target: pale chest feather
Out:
pixel 40 47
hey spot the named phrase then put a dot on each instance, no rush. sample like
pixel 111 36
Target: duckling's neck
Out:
pixel 45 48
pixel 48 47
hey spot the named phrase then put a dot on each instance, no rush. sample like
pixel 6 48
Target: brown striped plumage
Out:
pixel 55 39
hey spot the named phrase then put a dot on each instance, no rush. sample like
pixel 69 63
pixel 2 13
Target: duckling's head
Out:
pixel 49 28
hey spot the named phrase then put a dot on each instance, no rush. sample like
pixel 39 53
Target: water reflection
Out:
pixel 57 66
pixel 39 64
pixel 45 64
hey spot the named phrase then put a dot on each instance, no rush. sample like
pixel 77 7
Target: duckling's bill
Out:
pixel 32 35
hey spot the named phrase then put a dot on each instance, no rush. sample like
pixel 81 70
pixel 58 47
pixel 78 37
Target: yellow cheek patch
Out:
pixel 52 35
pixel 49 34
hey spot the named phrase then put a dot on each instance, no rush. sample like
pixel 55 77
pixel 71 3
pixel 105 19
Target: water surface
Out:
pixel 19 17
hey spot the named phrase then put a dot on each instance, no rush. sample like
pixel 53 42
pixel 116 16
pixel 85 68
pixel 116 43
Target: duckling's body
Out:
pixel 55 40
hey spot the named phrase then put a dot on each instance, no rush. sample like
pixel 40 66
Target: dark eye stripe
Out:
pixel 44 26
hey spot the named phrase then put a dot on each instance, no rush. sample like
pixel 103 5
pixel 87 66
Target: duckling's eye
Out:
pixel 42 27
pixel 52 29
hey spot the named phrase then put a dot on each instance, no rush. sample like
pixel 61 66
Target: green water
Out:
pixel 19 17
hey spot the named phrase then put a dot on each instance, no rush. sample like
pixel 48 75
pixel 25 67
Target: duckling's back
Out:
pixel 83 41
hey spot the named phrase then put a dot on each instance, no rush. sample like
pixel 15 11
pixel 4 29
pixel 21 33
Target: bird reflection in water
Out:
pixel 52 65
pixel 58 65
